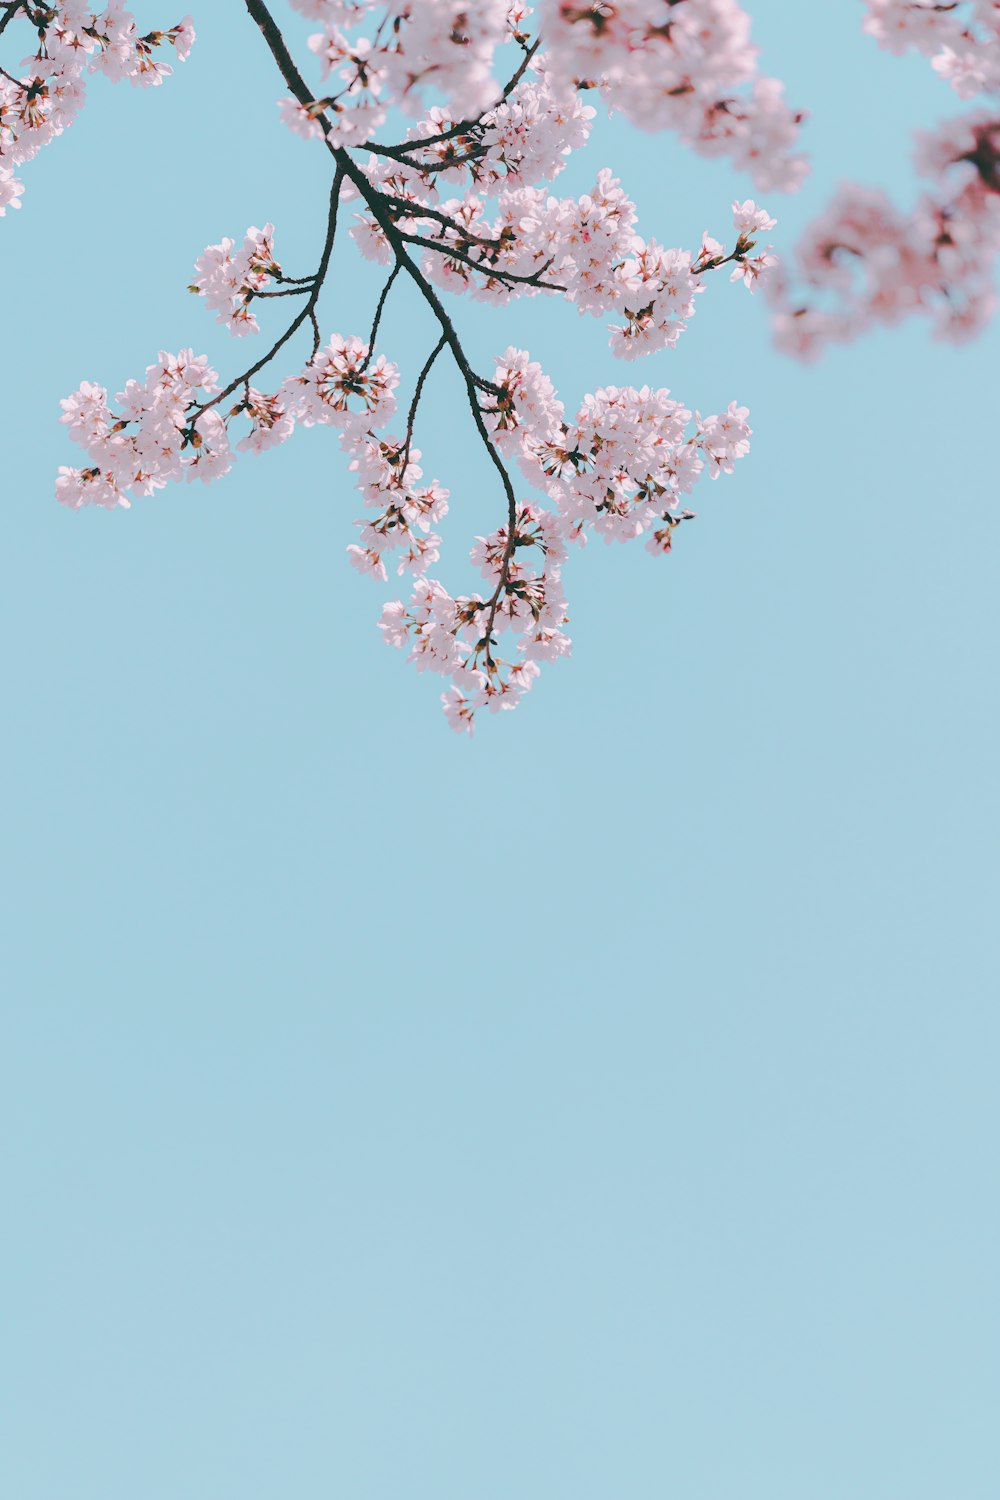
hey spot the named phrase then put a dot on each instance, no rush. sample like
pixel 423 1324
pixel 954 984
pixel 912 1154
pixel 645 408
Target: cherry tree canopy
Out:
pixel 442 126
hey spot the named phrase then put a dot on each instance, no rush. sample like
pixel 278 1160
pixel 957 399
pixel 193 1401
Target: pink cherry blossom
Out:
pixel 72 39
pixel 962 38
pixel 230 278
pixel 865 261
pixel 688 67
pixel 341 386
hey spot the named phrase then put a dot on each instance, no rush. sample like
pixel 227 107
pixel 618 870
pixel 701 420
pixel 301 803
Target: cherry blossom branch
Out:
pixel 463 127
pixel 447 163
pixel 716 262
pixel 382 214
pixel 308 311
pixel 493 273
pixel 620 465
pixel 412 210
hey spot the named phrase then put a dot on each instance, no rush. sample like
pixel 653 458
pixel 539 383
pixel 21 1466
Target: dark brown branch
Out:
pixel 719 261
pixel 9 12
pixel 418 392
pixel 403 153
pixel 411 210
pixel 445 165
pixel 495 273
pixel 378 315
pixel 292 291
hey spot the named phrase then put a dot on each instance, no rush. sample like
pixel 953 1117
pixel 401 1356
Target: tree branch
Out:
pixel 494 273
pixel 382 214
pixel 378 315
pixel 397 153
pixel 463 126
pixel 418 392
pixel 291 291
pixel 412 210
pixel 9 12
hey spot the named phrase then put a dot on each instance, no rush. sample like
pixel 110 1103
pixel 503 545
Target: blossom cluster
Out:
pixel 388 476
pixel 471 194
pixel 343 387
pixel 159 433
pixel 623 463
pixel 165 430
pixel 586 248
pixel 73 38
pixel 526 138
pixel 681 65
pixel 962 38
pixel 864 261
pixel 456 637
pixel 620 468
pixel 229 278
pixel 444 46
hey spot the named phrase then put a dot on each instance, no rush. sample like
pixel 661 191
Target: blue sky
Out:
pixel 604 1107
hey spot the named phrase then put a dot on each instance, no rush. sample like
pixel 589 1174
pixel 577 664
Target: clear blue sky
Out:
pixel 602 1108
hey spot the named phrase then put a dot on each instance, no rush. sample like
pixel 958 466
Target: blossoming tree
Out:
pixel 493 98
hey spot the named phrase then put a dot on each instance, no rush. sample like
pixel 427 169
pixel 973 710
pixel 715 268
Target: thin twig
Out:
pixel 714 265
pixel 378 315
pixel 412 416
